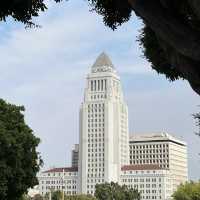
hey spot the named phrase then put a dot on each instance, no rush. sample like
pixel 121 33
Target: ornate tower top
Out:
pixel 103 64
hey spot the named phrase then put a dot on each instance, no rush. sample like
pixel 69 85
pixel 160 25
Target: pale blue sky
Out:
pixel 45 69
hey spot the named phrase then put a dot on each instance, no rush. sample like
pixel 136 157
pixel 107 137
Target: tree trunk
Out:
pixel 179 36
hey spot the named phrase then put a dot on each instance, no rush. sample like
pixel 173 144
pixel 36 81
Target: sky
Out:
pixel 45 70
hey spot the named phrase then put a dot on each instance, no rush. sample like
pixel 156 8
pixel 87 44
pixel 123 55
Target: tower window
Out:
pixel 95 85
pixel 91 85
pixel 98 85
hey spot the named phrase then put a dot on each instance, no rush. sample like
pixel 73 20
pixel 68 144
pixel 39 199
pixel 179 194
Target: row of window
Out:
pixel 134 146
pixel 96 169
pixel 95 175
pixel 96 140
pixel 61 174
pixel 96 135
pixel 149 151
pixel 68 192
pixel 135 180
pixel 60 182
pixel 98 85
pixel 95 155
pixel 94 115
pixel 92 125
pixel 96 150
pixel 59 187
pixel 95 160
pixel 95 145
pixel 96 120
pixel 94 181
pixel 150 156
pixel 96 105
pixel 146 185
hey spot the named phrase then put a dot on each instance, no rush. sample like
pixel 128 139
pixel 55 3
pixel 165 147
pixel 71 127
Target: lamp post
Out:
pixel 50 193
pixel 63 194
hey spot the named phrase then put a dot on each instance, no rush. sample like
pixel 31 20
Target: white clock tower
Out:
pixel 104 139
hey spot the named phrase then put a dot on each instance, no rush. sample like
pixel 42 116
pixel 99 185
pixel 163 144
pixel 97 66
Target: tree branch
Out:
pixel 186 66
pixel 179 36
pixel 195 5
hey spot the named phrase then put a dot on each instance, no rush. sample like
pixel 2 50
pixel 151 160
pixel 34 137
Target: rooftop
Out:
pixel 103 60
pixel 62 169
pixel 153 137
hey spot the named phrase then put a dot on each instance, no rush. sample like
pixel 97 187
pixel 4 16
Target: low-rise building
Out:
pixel 151 181
pixel 62 179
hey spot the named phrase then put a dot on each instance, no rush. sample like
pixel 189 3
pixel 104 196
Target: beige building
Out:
pixel 162 149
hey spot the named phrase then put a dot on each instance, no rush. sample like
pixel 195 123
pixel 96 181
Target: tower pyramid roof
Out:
pixel 102 60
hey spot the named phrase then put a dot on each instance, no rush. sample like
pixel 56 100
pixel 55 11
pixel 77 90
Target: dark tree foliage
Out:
pixel 110 191
pixel 19 160
pixel 170 37
pixel 22 10
pixel 156 55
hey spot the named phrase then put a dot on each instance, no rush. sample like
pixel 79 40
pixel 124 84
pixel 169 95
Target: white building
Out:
pixel 155 164
pixel 62 179
pixel 164 150
pixel 104 135
pixel 150 180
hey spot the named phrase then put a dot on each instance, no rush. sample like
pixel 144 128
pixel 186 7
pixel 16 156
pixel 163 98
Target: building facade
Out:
pixel 155 164
pixel 164 150
pixel 62 179
pixel 150 180
pixel 104 135
pixel 75 155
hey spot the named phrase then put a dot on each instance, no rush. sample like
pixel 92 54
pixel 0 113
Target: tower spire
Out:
pixel 102 61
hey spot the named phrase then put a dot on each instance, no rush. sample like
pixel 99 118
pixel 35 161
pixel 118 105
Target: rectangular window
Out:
pixel 91 85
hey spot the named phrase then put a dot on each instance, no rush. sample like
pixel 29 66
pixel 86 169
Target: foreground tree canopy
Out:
pixel 110 191
pixel 170 36
pixel 19 160
pixel 22 10
pixel 188 191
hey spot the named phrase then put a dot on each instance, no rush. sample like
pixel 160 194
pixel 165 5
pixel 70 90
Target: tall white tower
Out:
pixel 104 139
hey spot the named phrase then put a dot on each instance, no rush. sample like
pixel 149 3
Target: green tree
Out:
pixel 37 197
pixel 188 191
pixel 19 160
pixel 170 37
pixel 80 197
pixel 56 195
pixel 25 197
pixel 110 191
pixel 22 10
